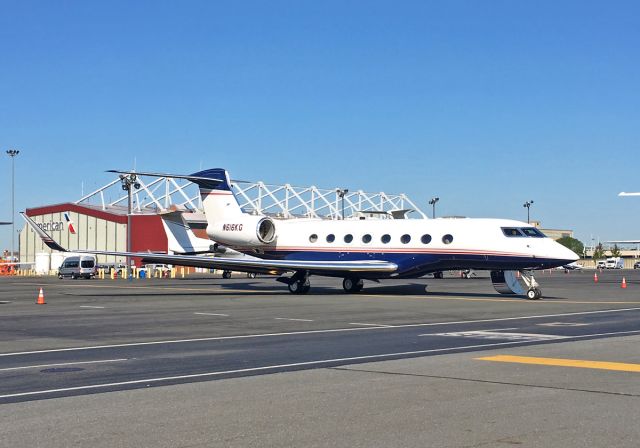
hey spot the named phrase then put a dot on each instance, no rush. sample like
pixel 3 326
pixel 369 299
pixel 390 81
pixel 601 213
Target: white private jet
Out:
pixel 356 249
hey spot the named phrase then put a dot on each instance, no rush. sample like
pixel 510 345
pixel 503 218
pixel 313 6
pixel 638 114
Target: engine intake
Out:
pixel 248 231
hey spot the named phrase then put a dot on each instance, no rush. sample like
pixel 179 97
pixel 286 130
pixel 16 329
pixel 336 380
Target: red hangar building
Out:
pixel 90 227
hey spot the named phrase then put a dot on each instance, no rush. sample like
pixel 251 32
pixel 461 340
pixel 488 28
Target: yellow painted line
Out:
pixel 159 288
pixel 519 300
pixel 283 291
pixel 583 364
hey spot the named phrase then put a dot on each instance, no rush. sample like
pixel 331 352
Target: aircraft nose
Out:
pixel 564 253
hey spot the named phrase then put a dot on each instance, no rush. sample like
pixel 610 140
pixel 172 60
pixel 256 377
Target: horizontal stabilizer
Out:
pixel 214 178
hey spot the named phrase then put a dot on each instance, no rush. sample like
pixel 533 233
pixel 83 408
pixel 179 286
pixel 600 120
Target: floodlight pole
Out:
pixel 527 205
pixel 432 203
pixel 341 193
pixel 13 153
pixel 128 181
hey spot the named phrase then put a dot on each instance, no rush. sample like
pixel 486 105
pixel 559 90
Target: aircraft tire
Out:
pixel 299 287
pixel 226 274
pixel 352 284
pixel 534 294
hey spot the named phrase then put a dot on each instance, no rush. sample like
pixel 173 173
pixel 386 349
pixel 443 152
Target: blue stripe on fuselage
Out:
pixel 410 264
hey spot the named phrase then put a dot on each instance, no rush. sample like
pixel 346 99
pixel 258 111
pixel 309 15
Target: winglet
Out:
pixel 46 239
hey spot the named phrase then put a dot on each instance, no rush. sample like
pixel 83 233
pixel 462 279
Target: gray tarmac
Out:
pixel 203 361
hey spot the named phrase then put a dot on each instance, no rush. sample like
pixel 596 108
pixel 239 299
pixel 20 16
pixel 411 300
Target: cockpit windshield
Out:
pixel 522 232
pixel 511 232
pixel 532 231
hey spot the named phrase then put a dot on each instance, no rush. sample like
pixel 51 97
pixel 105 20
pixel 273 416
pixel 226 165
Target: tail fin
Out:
pixel 181 238
pixel 217 198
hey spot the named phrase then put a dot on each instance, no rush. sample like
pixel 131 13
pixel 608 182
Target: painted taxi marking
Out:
pixel 560 362
pixel 484 334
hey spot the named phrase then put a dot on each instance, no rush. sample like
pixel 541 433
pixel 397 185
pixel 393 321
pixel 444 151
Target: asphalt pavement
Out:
pixel 267 368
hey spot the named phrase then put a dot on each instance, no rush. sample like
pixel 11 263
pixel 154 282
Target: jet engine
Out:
pixel 245 231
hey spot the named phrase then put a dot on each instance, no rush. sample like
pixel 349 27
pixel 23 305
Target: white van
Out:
pixel 614 263
pixel 76 267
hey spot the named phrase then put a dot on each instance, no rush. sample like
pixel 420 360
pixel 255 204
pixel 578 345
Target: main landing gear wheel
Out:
pixel 534 294
pixel 299 287
pixel 352 284
pixel 226 274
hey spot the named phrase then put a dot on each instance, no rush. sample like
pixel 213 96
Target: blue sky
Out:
pixel 485 104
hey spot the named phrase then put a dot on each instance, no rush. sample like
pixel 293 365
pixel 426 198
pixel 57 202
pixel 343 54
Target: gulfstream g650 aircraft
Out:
pixel 358 250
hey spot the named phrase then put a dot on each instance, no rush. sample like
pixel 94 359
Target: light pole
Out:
pixel 527 205
pixel 13 153
pixel 341 193
pixel 128 181
pixel 432 203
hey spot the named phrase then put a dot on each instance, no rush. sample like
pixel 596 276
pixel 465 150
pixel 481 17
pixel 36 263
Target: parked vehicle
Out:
pixel 76 267
pixel 601 264
pixel 636 265
pixel 575 266
pixel 151 270
pixel 615 263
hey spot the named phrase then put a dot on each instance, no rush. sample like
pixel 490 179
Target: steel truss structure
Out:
pixel 284 201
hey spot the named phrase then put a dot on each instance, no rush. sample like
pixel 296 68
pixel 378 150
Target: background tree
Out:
pixel 573 244
pixel 598 252
pixel 615 252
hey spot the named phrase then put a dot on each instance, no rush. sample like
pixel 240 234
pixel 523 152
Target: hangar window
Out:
pixel 511 231
pixel 348 238
pixel 405 238
pixel 426 238
pixel 366 239
pixel 447 239
pixel 331 238
pixel 532 231
pixel 385 238
pixel 313 238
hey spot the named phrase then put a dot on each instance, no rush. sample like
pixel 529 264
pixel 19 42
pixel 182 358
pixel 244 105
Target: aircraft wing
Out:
pixel 234 264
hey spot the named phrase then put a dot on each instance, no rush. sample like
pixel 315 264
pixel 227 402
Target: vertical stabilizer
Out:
pixel 218 200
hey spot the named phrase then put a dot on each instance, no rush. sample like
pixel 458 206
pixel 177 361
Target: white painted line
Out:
pixel 254 369
pixel 212 314
pixel 370 325
pixel 89 306
pixel 563 324
pixel 490 329
pixel 296 320
pixel 491 335
pixel 299 364
pixel 296 333
pixel 63 364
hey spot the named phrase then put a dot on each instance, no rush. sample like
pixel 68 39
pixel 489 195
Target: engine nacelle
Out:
pixel 244 231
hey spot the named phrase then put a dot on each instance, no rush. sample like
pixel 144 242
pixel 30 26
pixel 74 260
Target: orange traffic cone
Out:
pixel 40 300
pixel 623 285
pixel 595 277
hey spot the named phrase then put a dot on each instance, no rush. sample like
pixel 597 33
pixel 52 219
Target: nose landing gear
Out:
pixel 506 282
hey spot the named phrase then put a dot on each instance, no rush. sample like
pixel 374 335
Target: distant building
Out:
pixel 556 234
